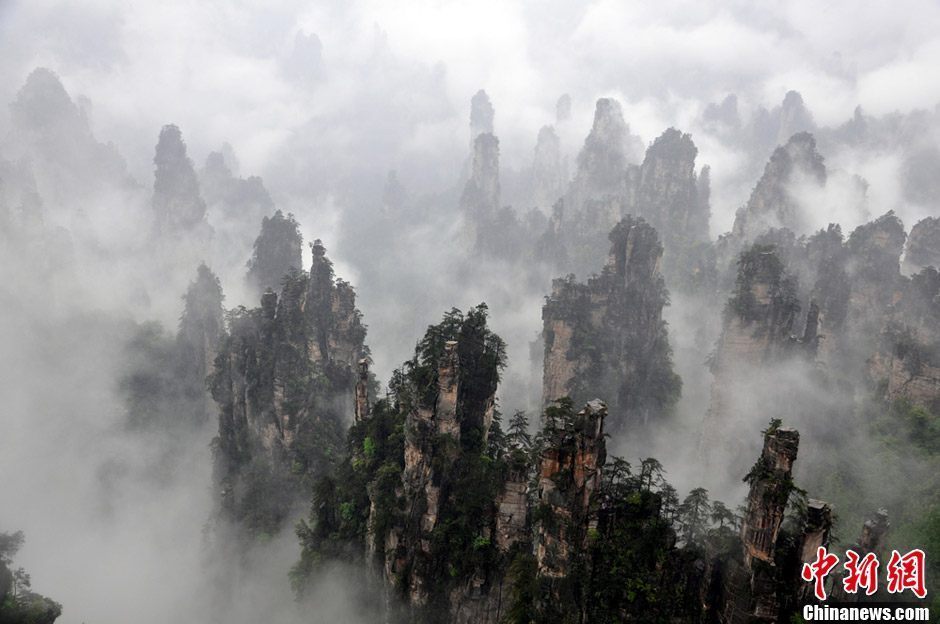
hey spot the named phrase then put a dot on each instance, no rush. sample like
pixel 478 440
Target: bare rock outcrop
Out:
pixel 607 336
pixel 569 473
pixel 284 378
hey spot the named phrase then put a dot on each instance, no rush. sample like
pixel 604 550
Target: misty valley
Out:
pixel 438 367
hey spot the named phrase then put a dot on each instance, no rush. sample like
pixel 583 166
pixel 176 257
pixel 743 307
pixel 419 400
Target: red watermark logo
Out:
pixel 861 573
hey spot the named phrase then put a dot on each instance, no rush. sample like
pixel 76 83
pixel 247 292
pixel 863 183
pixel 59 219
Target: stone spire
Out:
pixel 177 205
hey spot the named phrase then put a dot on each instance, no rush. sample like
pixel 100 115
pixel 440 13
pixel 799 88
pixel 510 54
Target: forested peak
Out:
pixel 634 246
pixel 277 250
pixel 885 234
pixel 177 203
pixel 923 244
pixel 321 266
pixel 203 298
pixel 171 149
pixel 481 355
pixel 673 145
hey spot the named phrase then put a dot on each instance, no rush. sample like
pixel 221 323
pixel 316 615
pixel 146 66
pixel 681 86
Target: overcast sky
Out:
pixel 399 75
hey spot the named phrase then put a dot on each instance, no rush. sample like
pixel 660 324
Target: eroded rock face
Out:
pixel 760 330
pixel 668 194
pixel 772 204
pixel 771 482
pixel 608 337
pixel 569 473
pixel 200 331
pixel 284 378
pixel 906 362
pixel 923 245
pixel 752 588
pixel 446 429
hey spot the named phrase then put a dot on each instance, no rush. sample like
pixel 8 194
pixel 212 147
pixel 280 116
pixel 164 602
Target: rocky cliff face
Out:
pixel 772 204
pixel 277 251
pixel 163 382
pixel 569 473
pixel 284 380
pixel 200 332
pixel 607 336
pixel 669 195
pixel 761 329
pixel 178 207
pixel 923 245
pixel 446 431
pixel 763 585
pixel 771 482
pixel 463 521
pixel 906 362
pixel 592 203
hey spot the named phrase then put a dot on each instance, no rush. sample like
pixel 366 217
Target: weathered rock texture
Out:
pixel 284 379
pixel 772 204
pixel 569 473
pixel 761 325
pixel 906 362
pixel 607 336
pixel 771 483
pixel 669 195
pixel 664 189
pixel 446 429
pixel 763 584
